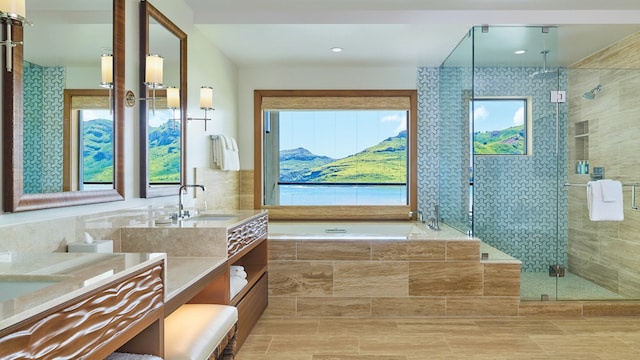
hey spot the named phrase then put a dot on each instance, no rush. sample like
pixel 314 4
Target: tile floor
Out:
pixel 600 338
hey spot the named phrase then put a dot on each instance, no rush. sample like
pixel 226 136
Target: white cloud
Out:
pixel 402 123
pixel 518 117
pixel 480 113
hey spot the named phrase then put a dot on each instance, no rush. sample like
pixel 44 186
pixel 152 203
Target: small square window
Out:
pixel 501 125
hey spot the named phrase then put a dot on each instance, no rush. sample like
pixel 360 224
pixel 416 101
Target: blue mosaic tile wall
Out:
pixel 519 202
pixel 43 128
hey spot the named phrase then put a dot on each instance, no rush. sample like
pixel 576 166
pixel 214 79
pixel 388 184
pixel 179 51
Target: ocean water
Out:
pixel 342 195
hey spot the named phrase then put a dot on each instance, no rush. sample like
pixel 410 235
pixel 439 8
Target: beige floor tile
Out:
pixel 587 345
pixel 404 345
pixel 359 357
pixel 316 345
pixel 439 326
pixel 498 338
pixel 516 327
pixel 358 327
pixel 286 327
pixel 497 345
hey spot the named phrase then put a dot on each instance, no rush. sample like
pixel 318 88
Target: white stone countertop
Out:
pixel 209 219
pixel 31 283
pixel 183 272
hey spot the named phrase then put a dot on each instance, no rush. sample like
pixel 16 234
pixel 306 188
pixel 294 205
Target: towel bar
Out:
pixel 633 192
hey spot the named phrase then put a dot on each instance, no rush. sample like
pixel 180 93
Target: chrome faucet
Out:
pixel 181 212
pixel 419 215
pixel 433 222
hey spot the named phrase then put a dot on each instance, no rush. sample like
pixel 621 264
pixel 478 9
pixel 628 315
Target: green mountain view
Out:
pixel 164 153
pixel 385 162
pixel 97 152
pixel 507 141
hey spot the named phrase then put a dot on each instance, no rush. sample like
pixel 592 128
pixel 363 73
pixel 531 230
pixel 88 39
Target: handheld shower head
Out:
pixel 591 94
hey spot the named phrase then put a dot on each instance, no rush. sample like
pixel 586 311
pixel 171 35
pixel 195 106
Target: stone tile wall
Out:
pixel 395 278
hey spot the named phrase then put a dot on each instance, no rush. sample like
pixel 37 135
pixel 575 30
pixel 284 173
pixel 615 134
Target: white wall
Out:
pixel 309 78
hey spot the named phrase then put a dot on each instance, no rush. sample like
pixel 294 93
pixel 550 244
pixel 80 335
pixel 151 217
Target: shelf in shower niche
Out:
pixel 581 136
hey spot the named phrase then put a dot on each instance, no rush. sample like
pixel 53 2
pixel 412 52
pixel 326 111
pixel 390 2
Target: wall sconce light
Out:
pixel 153 76
pixel 173 102
pixel 107 76
pixel 11 10
pixel 206 104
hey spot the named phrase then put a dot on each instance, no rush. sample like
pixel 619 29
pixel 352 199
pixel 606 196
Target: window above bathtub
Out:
pixel 502 125
pixel 335 154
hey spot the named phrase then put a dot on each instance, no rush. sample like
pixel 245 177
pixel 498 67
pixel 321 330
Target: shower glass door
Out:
pixel 518 131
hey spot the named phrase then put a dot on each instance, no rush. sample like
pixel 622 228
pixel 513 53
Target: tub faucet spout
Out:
pixel 181 212
pixel 418 214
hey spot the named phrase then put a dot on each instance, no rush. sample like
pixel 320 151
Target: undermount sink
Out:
pixel 13 286
pixel 211 217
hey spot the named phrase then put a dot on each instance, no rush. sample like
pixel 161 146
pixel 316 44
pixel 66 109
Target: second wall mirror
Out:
pixel 163 107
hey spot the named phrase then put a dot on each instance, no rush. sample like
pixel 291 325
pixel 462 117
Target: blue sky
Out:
pixel 491 115
pixel 338 134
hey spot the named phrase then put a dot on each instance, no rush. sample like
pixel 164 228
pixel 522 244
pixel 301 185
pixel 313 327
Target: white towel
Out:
pixel 236 284
pixel 237 268
pixel 224 153
pixel 612 208
pixel 239 273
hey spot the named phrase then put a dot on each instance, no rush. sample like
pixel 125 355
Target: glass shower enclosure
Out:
pixel 513 134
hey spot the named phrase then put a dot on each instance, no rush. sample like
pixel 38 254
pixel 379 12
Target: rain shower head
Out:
pixel 545 73
pixel 591 94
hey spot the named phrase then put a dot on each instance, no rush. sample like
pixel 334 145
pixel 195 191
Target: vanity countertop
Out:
pixel 183 272
pixel 208 219
pixel 31 283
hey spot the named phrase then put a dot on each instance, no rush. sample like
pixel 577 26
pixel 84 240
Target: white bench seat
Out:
pixel 200 332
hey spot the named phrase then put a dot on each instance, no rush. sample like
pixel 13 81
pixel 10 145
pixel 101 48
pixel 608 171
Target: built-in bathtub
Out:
pixel 359 230
pixel 383 269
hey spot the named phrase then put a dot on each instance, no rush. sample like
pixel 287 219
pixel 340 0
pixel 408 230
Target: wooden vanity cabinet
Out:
pixel 247 247
pixel 123 314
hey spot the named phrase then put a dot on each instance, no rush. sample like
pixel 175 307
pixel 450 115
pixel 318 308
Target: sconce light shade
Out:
pixel 153 71
pixel 173 97
pixel 107 70
pixel 206 98
pixel 13 8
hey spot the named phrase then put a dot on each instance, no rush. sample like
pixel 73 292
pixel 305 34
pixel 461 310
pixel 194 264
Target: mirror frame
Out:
pixel 14 198
pixel 147 12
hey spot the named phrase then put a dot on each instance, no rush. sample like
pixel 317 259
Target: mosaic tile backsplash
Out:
pixel 43 128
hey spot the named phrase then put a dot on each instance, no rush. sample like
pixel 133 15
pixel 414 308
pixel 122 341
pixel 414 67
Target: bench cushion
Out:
pixel 193 331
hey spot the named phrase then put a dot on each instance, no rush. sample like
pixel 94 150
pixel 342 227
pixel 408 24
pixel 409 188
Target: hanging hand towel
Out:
pixel 604 200
pixel 230 156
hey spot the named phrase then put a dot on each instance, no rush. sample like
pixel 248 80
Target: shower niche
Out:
pixel 581 138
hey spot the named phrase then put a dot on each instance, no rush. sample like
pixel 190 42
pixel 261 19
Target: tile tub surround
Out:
pixel 421 276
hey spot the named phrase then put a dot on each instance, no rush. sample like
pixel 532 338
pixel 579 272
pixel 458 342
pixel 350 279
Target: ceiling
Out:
pixel 389 33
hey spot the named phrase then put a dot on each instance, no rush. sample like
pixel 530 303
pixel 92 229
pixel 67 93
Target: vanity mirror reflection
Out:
pixel 34 146
pixel 162 131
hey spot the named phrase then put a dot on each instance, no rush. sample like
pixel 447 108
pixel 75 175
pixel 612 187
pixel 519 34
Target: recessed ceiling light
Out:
pixel 336 49
pixel 520 52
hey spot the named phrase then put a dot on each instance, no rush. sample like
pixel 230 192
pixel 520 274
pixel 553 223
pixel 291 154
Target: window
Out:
pixel 96 143
pixel 336 154
pixel 164 147
pixel 501 125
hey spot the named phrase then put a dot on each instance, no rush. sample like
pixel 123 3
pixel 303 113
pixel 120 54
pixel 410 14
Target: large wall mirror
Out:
pixel 63 51
pixel 162 130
